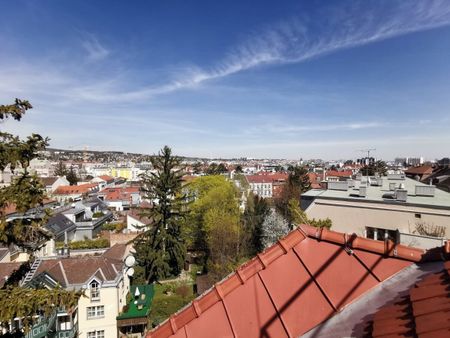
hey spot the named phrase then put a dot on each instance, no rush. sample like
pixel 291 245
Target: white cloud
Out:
pixel 95 50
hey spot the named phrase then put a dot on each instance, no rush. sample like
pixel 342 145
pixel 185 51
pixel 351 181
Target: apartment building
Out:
pixel 394 207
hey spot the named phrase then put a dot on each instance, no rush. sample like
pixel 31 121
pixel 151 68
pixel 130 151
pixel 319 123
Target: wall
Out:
pixel 352 217
pixel 112 299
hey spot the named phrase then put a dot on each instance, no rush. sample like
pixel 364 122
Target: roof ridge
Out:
pixel 63 272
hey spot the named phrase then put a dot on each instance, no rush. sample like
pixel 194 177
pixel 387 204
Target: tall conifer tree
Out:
pixel 160 249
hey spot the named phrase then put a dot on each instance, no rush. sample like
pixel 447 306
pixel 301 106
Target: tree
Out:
pixel 379 167
pixel 214 224
pixel 298 216
pixel 72 177
pixel 60 169
pixel 274 227
pixel 160 249
pixel 216 169
pixel 25 193
pixel 297 183
pixel 239 169
pixel 255 213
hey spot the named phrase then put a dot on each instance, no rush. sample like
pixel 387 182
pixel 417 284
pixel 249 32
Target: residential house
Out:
pixel 121 198
pixel 69 193
pixel 335 175
pixel 106 286
pixel 54 182
pixel 321 283
pixel 136 222
pixel 104 181
pixel 420 173
pixel 267 185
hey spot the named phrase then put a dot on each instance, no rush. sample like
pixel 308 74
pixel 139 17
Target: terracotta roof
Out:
pixel 267 177
pixel 423 312
pixel 6 269
pixel 344 173
pixel 293 286
pixel 75 189
pixel 106 178
pixel 425 169
pixel 118 194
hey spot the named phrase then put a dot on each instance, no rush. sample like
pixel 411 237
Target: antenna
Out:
pixel 368 159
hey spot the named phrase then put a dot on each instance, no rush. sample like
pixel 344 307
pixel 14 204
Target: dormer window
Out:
pixel 95 290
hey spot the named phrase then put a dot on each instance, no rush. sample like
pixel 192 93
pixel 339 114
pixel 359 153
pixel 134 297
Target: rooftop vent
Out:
pixel 401 195
pixel 379 181
pixel 362 191
pixel 396 176
pixel 339 185
pixel 425 190
pixel 392 186
pixel 351 183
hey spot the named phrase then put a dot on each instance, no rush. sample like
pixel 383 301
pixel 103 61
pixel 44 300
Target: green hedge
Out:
pixel 87 244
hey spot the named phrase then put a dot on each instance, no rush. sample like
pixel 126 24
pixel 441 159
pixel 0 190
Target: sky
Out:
pixel 262 79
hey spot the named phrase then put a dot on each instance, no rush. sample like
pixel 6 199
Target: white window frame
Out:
pixel 96 334
pixel 93 312
pixel 94 290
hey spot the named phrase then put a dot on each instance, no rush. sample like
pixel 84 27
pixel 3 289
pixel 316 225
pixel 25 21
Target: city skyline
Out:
pixel 230 80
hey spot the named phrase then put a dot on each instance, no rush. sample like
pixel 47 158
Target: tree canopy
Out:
pixel 24 193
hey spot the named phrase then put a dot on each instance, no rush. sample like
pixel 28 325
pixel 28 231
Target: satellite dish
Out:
pixel 130 272
pixel 130 261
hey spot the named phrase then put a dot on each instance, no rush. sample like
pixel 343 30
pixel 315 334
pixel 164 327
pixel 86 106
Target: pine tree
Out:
pixel 255 213
pixel 160 249
pixel 72 177
pixel 60 169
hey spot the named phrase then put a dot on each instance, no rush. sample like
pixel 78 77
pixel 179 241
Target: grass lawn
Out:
pixel 168 299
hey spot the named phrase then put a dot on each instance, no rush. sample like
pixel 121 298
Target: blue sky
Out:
pixel 310 79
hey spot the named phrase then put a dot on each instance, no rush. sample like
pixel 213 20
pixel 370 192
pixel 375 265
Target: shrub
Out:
pixel 87 244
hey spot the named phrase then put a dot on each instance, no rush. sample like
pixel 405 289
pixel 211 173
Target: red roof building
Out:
pixel 304 282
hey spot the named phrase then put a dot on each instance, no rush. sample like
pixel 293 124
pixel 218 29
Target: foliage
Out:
pixel 430 229
pixel 98 243
pixel 256 211
pixel 22 302
pixel 379 167
pixel 25 193
pixel 214 225
pixel 274 227
pixel 298 216
pixel 60 169
pixel 161 249
pixel 297 183
pixel 216 169
pixel 109 226
pixel 97 214
pixel 168 299
pixel 72 177
pixel 239 169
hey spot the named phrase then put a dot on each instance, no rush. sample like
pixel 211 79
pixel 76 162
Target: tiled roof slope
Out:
pixel 78 270
pixel 424 312
pixel 291 287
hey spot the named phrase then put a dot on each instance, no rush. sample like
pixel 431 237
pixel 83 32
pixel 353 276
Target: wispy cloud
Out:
pixel 95 50
pixel 298 40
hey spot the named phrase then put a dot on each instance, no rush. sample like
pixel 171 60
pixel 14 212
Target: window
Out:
pixel 382 234
pixel 96 334
pixel 95 290
pixel 95 311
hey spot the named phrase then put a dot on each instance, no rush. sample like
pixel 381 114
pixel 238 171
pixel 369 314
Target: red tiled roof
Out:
pixel 106 178
pixel 291 287
pixel 118 194
pixel 424 312
pixel 425 169
pixel 344 173
pixel 267 178
pixel 75 189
